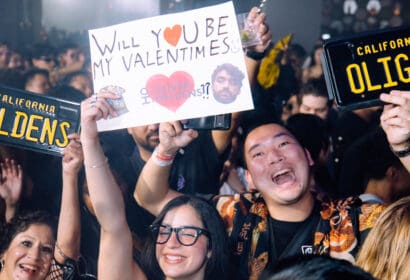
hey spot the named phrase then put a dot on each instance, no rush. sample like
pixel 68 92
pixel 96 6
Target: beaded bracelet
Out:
pixel 162 159
pixel 402 153
pixel 98 165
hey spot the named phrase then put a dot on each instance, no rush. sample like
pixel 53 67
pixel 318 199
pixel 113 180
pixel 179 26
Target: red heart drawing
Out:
pixel 172 35
pixel 170 92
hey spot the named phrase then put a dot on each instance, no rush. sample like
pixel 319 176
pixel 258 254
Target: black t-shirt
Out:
pixel 196 168
pixel 283 233
pixel 292 238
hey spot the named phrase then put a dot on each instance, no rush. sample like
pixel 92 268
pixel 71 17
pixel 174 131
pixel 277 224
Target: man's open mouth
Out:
pixel 283 177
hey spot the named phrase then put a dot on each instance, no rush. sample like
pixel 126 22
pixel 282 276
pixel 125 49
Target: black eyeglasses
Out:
pixel 186 235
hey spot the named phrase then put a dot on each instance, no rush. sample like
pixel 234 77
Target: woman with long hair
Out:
pixel 386 250
pixel 189 240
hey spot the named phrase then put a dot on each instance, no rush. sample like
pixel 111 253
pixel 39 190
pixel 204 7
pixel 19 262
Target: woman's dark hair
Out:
pixel 217 266
pixel 302 126
pixel 67 93
pixel 316 46
pixel 21 223
pixel 377 155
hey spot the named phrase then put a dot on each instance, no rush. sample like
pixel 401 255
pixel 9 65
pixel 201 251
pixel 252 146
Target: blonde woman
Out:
pixel 386 251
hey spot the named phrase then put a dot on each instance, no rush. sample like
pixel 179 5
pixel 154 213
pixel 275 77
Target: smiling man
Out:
pixel 280 168
pixel 283 217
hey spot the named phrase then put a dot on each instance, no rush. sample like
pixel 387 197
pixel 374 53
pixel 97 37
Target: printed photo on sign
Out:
pixel 171 67
pixel 226 83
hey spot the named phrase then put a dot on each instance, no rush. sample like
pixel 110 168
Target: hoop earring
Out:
pixel 1 265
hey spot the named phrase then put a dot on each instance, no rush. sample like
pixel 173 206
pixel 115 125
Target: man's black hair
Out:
pixel 315 87
pixel 42 50
pixel 65 46
pixel 316 267
pixel 30 74
pixel 66 92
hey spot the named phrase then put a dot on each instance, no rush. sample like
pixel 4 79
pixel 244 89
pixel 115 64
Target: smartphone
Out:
pixel 216 122
pixel 359 68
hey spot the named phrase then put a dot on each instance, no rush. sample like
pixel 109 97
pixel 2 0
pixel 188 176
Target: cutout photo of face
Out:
pixel 226 83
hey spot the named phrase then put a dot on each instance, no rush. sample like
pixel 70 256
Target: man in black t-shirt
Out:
pixel 196 168
pixel 279 168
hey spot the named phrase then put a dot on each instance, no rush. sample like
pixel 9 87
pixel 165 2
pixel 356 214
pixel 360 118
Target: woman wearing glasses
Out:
pixel 189 239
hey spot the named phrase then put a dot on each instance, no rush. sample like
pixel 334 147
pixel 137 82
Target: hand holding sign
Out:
pixel 165 64
pixel 93 109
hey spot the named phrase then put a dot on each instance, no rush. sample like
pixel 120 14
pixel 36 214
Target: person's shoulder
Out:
pixel 225 204
pixel 340 203
pixel 367 212
pixel 235 207
pixel 348 202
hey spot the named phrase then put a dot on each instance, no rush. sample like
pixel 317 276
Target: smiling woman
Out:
pixel 188 242
pixel 27 246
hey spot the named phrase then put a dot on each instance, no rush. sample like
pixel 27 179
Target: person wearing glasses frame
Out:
pixel 188 241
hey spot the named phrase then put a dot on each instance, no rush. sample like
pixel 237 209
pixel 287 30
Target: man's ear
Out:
pixel 249 180
pixel 309 157
pixel 129 131
pixel 391 173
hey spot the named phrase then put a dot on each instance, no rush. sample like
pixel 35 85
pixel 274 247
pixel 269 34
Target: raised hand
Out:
pixel 73 155
pixel 93 109
pixel 264 33
pixel 172 137
pixel 11 181
pixel 11 184
pixel 395 119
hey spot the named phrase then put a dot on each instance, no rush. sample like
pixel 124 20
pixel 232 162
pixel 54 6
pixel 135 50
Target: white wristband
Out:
pixel 162 159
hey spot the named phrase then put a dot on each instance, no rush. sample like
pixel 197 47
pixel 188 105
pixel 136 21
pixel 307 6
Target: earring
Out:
pixel 1 265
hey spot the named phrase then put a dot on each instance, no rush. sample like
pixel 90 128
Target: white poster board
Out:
pixel 171 67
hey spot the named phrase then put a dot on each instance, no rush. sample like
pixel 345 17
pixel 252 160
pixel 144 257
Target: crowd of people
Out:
pixel 294 189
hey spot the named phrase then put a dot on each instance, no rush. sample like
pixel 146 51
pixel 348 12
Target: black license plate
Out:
pixel 36 122
pixel 359 68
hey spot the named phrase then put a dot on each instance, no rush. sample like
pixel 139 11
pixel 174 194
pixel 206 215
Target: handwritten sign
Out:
pixel 171 67
pixel 359 68
pixel 36 122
